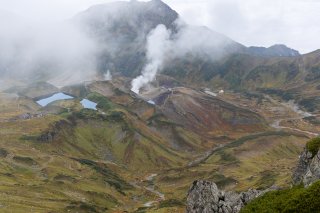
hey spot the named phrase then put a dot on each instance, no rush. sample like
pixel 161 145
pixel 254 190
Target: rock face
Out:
pixel 3 153
pixel 308 169
pixel 53 133
pixel 47 137
pixel 28 116
pixel 205 197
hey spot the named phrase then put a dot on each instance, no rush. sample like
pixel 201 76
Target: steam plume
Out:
pixel 108 76
pixel 158 44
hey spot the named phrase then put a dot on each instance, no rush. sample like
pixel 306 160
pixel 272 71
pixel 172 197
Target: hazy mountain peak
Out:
pixel 277 50
pixel 127 21
pixel 133 9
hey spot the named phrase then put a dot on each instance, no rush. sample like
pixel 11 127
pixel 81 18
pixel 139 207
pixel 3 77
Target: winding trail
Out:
pixel 301 115
pixel 277 125
pixel 151 188
pixel 205 156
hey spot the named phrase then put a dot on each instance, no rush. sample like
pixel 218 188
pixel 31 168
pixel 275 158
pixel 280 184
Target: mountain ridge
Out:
pixel 279 50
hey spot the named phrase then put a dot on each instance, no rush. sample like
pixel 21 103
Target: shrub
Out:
pixel 171 203
pixel 102 102
pixel 296 199
pixel 313 146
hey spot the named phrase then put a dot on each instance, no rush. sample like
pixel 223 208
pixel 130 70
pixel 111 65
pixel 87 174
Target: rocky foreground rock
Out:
pixel 308 169
pixel 205 197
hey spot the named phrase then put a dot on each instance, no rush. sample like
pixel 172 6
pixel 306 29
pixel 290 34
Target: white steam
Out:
pixel 59 52
pixel 200 41
pixel 158 43
pixel 189 41
pixel 108 76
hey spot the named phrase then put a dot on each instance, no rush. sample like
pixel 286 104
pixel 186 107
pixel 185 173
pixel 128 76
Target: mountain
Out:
pixel 290 78
pixel 127 19
pixel 121 28
pixel 120 31
pixel 279 50
pixel 215 112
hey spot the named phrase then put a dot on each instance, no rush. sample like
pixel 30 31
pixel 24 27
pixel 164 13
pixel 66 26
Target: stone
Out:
pixel 205 197
pixel 308 168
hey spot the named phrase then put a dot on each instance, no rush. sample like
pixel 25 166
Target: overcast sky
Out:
pixel 250 22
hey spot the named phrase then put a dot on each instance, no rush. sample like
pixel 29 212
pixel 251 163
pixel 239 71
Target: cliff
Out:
pixel 308 169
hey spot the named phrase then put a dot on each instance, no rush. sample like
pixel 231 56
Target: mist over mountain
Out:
pixel 36 51
pixel 123 27
pixel 109 37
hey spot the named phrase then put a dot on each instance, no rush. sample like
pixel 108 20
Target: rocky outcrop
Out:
pixel 205 197
pixel 308 169
pixel 3 153
pixel 28 116
pixel 47 137
pixel 53 133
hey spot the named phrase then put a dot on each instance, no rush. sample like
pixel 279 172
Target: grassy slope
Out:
pixel 296 199
pixel 75 171
pixel 37 176
pixel 251 162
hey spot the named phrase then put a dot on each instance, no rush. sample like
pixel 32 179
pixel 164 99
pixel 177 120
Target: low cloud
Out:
pixel 35 51
pixel 258 22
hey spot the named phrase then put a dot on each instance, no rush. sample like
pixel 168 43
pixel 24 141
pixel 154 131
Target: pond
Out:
pixel 89 104
pixel 56 97
pixel 151 102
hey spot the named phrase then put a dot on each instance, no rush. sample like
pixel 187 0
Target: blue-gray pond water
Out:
pixel 56 97
pixel 151 102
pixel 88 104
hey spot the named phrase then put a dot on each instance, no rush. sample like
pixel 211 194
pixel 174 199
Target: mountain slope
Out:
pixel 303 196
pixel 102 159
pixel 293 78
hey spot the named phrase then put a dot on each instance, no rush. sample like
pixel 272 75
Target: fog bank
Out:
pixel 36 51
